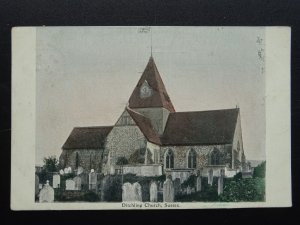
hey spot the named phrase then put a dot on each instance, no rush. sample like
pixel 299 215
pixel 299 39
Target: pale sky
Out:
pixel 85 76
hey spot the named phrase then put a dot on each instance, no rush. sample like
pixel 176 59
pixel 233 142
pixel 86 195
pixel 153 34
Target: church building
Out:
pixel 150 138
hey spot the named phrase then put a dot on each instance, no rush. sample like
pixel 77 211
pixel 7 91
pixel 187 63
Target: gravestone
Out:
pixel 127 192
pixel 221 181
pixel 168 190
pixel 92 180
pixel 69 169
pixel 137 190
pixel 47 193
pixel 66 171
pixel 77 181
pixel 188 190
pixel 79 170
pixel 198 180
pixel 210 177
pixel 70 185
pixel 177 186
pixel 153 192
pixel 37 181
pixel 61 172
pixel 198 183
pixel 56 181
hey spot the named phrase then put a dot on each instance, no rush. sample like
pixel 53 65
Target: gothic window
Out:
pixel 77 160
pixel 192 159
pixel 215 157
pixel 169 159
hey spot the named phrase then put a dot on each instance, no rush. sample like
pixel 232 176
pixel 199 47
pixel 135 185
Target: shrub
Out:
pixel 243 190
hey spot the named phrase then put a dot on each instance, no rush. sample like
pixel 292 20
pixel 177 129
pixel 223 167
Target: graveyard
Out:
pixel 82 186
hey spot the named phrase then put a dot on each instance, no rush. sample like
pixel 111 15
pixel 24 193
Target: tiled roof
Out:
pixel 159 97
pixel 145 126
pixel 200 128
pixel 87 138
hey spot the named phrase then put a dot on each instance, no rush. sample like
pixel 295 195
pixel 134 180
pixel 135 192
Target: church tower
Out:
pixel 151 99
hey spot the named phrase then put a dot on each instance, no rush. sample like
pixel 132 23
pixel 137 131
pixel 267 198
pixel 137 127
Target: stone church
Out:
pixel 150 138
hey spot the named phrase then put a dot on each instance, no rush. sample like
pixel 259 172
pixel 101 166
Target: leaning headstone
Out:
pixel 47 193
pixel 168 190
pixel 70 185
pixel 221 181
pixel 92 180
pixel 127 192
pixel 56 181
pixel 77 181
pixel 210 177
pixel 79 170
pixel 37 181
pixel 137 190
pixel 153 192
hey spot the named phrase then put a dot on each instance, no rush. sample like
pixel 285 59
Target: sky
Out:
pixel 85 76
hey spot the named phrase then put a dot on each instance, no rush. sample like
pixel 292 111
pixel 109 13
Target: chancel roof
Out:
pixel 159 97
pixel 87 138
pixel 200 128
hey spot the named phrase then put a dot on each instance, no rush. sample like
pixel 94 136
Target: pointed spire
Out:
pixel 154 94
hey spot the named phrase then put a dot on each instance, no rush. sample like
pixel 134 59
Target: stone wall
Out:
pixel 87 158
pixel 123 141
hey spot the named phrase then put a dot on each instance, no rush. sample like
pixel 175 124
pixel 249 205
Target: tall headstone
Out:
pixel 168 190
pixel 127 192
pixel 188 190
pixel 47 193
pixel 70 185
pixel 221 181
pixel 56 181
pixel 198 181
pixel 92 180
pixel 77 181
pixel 177 186
pixel 210 177
pixel 137 190
pixel 153 192
pixel 37 181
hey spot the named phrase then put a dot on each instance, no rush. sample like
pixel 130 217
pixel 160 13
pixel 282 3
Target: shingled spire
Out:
pixel 150 91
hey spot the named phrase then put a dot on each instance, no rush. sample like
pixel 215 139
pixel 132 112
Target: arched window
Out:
pixel 192 159
pixel 169 159
pixel 77 160
pixel 215 157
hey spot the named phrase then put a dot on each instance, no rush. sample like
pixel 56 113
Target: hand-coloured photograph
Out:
pixel 150 117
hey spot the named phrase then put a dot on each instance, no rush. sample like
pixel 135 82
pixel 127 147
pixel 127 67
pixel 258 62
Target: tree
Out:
pixel 50 164
pixel 260 170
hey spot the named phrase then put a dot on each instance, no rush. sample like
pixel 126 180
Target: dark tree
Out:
pixel 50 164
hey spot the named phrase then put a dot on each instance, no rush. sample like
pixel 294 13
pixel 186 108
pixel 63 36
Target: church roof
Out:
pixel 200 128
pixel 159 97
pixel 87 138
pixel 145 126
